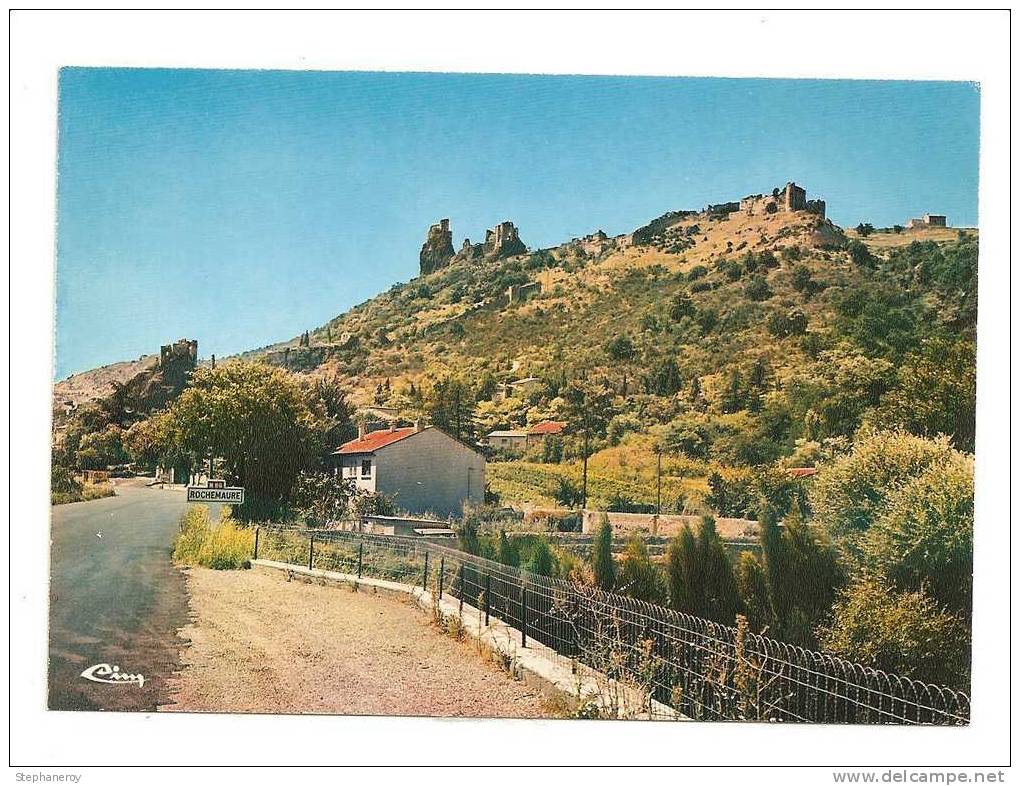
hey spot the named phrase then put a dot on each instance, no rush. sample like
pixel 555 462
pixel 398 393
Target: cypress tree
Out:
pixel 721 600
pixel 683 572
pixel 602 564
pixel 639 578
pixel 754 593
pixel 773 551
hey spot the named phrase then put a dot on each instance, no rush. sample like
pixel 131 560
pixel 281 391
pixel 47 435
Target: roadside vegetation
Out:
pixel 221 545
pixel 66 488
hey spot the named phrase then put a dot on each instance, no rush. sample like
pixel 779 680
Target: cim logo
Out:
pixel 112 675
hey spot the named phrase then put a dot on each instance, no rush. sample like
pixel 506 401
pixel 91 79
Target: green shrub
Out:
pixel 758 289
pixel 924 536
pixel 848 494
pixel 906 633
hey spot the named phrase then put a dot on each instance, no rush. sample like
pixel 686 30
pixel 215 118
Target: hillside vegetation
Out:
pixel 729 340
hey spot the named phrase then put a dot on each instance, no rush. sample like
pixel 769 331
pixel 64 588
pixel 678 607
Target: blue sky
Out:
pixel 243 207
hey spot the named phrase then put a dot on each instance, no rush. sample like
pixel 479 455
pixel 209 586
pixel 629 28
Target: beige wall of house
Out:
pixel 362 469
pixel 430 472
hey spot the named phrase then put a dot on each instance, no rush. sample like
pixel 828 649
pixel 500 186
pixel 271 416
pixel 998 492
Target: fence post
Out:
pixel 487 588
pixel 255 553
pixel 311 550
pixel 524 612
pixel 361 546
pixel 462 589
pixel 425 573
pixel 442 575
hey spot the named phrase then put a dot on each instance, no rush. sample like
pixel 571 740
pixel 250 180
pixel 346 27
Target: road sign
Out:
pixel 216 484
pixel 231 495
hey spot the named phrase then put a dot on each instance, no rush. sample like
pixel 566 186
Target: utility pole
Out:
pixel 584 474
pixel 658 480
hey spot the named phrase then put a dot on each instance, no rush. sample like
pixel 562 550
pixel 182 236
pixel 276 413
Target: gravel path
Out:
pixel 260 643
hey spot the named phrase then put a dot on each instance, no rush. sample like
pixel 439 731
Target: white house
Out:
pixel 423 470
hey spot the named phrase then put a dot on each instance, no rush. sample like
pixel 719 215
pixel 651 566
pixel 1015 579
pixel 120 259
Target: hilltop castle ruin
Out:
pixel 790 199
pixel 502 241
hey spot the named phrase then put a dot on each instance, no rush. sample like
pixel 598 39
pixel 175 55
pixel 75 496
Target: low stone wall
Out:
pixel 667 525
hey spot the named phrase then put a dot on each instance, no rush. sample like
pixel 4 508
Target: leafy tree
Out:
pixel 603 567
pixel 847 384
pixel 62 480
pixel 935 392
pixel 707 319
pixel 791 323
pixel 538 558
pixel 506 552
pixel 851 492
pixel 883 319
pixel 622 352
pixel 801 279
pixel 255 417
pixel 687 436
pixel 589 409
pixel 327 398
pixel 451 407
pixel 639 578
pixel 567 493
pixel 735 394
pixel 923 538
pixel 101 449
pixel 865 229
pixel 144 442
pixel 367 503
pixel 730 495
pixel 322 497
pixel 487 386
pixel 901 509
pixel 665 379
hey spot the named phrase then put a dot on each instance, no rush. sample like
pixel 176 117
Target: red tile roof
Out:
pixel 548 427
pixel 802 472
pixel 375 440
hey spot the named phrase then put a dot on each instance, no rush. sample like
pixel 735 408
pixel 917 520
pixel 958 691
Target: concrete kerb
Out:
pixel 537 665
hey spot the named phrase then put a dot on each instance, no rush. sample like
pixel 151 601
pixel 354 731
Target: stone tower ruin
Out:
pixel 437 251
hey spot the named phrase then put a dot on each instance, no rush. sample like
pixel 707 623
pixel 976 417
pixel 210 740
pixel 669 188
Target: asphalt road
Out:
pixel 115 598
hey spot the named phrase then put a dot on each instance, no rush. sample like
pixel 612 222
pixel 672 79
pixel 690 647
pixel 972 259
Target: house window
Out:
pixel 366 468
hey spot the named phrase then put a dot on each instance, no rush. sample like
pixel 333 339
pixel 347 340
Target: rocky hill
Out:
pixel 739 334
pixel 699 288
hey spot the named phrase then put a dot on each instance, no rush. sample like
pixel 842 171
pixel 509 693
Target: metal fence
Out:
pixel 697 668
